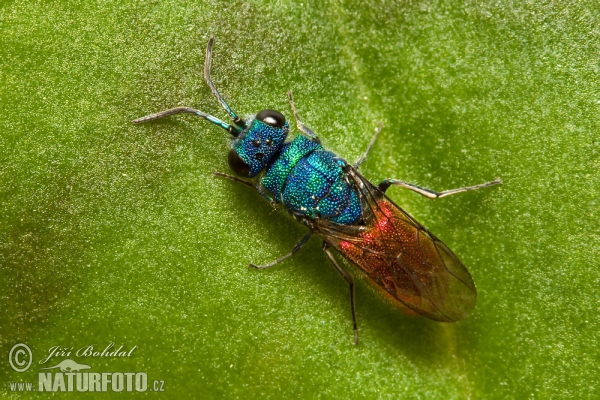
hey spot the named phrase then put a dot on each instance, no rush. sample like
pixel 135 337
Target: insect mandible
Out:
pixel 353 216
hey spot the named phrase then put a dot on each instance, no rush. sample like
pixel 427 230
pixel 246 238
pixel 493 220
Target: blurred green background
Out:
pixel 112 232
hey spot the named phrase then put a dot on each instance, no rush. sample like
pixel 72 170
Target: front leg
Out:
pixel 259 188
pixel 303 128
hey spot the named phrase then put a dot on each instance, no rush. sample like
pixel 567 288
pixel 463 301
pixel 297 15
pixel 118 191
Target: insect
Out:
pixel 350 214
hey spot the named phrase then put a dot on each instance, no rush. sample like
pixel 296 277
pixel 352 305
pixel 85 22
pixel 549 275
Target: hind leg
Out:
pixel 350 281
pixel 432 194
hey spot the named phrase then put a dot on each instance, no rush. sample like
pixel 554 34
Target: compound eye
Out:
pixel 271 117
pixel 238 165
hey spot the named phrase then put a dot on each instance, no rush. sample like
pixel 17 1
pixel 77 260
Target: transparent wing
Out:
pixel 402 257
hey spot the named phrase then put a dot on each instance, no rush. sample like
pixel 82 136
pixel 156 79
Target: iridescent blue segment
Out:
pixel 258 143
pixel 291 153
pixel 307 178
pixel 352 213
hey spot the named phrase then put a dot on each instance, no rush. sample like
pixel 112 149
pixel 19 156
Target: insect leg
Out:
pixel 432 194
pixel 257 187
pixel 303 128
pixel 364 157
pixel 297 247
pixel 348 278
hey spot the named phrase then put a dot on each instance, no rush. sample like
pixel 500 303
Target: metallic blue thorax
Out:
pixel 308 179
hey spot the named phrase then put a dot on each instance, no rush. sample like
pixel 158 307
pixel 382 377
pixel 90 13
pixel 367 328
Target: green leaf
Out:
pixel 113 232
